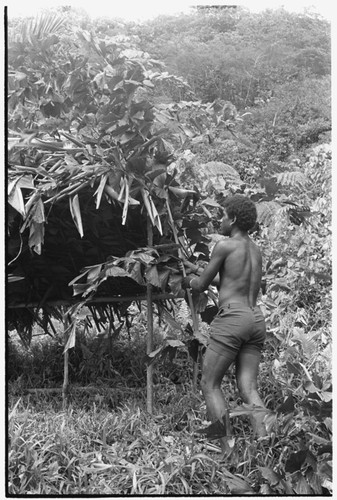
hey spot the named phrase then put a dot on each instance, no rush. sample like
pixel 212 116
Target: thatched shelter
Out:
pixel 96 213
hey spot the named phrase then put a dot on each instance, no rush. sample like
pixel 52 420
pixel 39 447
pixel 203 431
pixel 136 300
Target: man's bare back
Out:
pixel 239 264
pixel 241 271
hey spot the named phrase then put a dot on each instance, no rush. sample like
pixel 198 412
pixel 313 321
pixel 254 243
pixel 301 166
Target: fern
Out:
pixel 293 178
pixel 219 169
pixel 266 211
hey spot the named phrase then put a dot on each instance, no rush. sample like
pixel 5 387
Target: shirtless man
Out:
pixel 238 331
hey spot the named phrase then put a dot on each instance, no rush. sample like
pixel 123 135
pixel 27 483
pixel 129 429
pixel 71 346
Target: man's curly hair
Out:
pixel 243 209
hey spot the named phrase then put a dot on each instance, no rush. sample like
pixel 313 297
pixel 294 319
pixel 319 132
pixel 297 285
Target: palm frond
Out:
pixel 41 27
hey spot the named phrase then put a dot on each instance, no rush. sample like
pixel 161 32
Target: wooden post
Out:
pixel 189 297
pixel 149 339
pixel 65 386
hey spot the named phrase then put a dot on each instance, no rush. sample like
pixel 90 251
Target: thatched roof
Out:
pixel 65 253
pixel 51 244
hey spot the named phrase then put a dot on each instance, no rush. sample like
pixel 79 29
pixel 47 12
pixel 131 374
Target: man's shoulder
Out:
pixel 231 244
pixel 225 245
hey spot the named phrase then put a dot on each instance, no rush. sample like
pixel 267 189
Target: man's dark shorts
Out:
pixel 236 328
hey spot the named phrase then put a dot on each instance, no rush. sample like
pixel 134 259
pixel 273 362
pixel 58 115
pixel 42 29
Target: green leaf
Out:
pixel 211 202
pixel 12 278
pixel 171 321
pixel 200 301
pixel 71 338
pixel 174 342
pixel 144 256
pixel 202 337
pixel 175 285
pixel 216 430
pixel 148 83
pixel 302 487
pixel 297 460
pixel 94 272
pixel 181 193
pixel 288 406
pixel 279 284
pixel 36 236
pixel 135 272
pixel 15 197
pixel 163 276
pixel 151 210
pixel 79 289
pixel 193 349
pixel 100 189
pixel 152 276
pixel 237 485
pixel 152 356
pixel 116 272
pixel 294 368
pixel 37 212
pixel 75 211
pixel 271 476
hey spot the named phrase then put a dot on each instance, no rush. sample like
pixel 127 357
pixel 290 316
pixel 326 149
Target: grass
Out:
pixel 106 443
pixel 126 451
pixel 92 449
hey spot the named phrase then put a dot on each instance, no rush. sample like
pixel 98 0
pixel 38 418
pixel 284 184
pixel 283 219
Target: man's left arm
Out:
pixel 201 283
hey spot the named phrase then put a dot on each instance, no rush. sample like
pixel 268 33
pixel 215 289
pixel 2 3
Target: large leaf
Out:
pixel 272 477
pixel 151 210
pixel 116 272
pixel 71 337
pixel 288 406
pixel 298 459
pixel 171 321
pixel 152 276
pixel 215 430
pixel 236 484
pixel 169 348
pixel 15 197
pixel 75 211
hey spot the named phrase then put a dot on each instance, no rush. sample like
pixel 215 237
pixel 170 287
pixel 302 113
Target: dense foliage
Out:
pixel 101 136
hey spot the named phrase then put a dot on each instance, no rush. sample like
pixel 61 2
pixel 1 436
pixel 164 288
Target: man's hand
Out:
pixel 184 264
pixel 186 282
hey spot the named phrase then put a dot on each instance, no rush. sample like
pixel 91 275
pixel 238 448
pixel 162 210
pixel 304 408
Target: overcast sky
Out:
pixel 146 9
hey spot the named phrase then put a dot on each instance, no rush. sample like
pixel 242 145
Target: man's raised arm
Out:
pixel 210 272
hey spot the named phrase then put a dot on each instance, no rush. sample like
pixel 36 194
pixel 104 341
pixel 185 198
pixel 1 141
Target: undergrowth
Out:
pixel 107 443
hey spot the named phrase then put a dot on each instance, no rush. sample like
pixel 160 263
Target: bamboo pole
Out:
pixel 65 387
pixel 189 295
pixel 149 339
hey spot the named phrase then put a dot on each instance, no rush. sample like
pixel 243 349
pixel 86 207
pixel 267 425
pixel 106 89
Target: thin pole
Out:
pixel 149 339
pixel 189 295
pixel 99 300
pixel 65 386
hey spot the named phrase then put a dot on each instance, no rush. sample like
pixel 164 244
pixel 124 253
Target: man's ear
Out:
pixel 233 221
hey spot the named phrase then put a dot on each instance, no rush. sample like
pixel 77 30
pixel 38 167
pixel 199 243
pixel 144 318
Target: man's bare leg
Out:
pixel 247 367
pixel 213 370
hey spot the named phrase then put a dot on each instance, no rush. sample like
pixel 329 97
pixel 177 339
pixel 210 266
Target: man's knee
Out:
pixel 203 383
pixel 206 383
pixel 247 391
